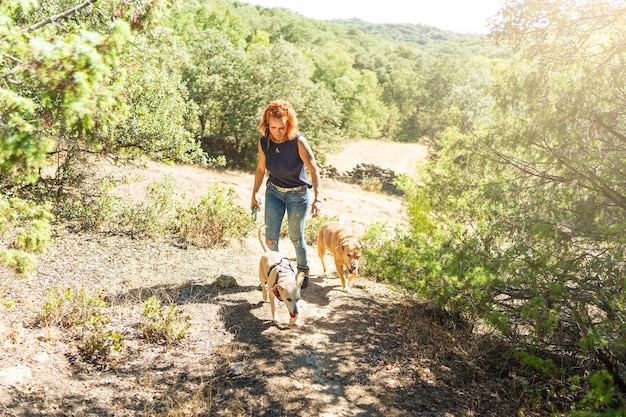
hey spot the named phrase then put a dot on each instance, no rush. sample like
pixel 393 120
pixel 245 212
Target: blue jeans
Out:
pixel 296 204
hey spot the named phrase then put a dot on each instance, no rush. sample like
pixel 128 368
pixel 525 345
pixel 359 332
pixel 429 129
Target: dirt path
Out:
pixel 376 352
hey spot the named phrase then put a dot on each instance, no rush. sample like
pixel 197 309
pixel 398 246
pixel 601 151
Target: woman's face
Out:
pixel 278 128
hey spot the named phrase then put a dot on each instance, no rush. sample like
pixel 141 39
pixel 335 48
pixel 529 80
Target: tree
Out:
pixel 55 89
pixel 363 113
pixel 401 82
pixel 533 197
pixel 64 94
pixel 161 116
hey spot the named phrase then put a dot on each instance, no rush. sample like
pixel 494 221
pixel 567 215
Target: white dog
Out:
pixel 282 282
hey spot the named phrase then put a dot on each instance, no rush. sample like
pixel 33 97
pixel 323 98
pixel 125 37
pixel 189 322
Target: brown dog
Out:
pixel 282 282
pixel 345 247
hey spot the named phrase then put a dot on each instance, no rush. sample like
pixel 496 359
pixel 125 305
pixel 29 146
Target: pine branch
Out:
pixel 59 16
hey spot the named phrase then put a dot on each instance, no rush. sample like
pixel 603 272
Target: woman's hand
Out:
pixel 316 207
pixel 255 203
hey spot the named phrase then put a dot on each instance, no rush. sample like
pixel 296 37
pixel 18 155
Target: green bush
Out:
pixel 163 325
pixel 602 395
pixel 510 273
pixel 83 316
pixel 25 229
pixel 157 213
pixel 21 262
pixel 372 184
pixel 215 220
pixel 313 226
pixel 92 209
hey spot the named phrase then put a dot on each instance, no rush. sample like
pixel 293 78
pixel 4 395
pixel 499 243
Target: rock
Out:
pixel 362 173
pixel 237 368
pixel 41 357
pixel 225 281
pixel 15 375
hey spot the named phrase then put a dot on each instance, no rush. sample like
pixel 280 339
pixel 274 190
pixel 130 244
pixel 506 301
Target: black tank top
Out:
pixel 286 168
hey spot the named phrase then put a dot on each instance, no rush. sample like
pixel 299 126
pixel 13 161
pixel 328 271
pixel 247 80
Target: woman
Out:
pixel 285 153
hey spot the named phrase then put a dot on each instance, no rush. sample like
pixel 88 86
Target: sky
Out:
pixel 461 16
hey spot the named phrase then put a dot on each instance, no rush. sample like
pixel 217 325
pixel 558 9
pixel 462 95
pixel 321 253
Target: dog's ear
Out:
pixel 340 246
pixel 300 278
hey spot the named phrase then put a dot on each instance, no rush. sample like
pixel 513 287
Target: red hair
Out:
pixel 280 109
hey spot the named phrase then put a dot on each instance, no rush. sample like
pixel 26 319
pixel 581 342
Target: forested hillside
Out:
pixel 515 222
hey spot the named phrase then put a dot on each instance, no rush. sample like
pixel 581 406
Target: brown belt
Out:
pixel 285 190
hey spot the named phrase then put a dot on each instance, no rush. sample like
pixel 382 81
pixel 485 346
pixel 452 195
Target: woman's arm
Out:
pixel 259 174
pixel 306 154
